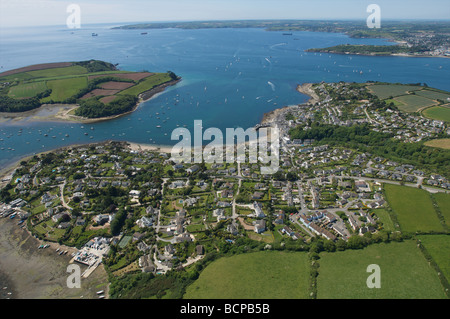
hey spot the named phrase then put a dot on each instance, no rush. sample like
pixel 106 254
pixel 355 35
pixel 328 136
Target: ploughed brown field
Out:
pixel 130 76
pixel 108 99
pixel 116 85
pixel 99 92
pixel 37 67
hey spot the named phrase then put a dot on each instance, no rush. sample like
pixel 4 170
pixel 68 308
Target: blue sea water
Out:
pixel 230 78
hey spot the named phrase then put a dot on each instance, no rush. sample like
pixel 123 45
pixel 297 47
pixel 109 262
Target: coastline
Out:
pixel 403 55
pixel 305 88
pixel 32 273
pixel 61 112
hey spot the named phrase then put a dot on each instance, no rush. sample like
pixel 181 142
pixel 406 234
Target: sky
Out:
pixel 23 13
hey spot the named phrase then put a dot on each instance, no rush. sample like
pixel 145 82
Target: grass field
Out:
pixel 71 70
pixel 27 90
pixel 439 248
pixel 443 201
pixel 434 95
pixel 413 103
pixel 147 84
pixel 413 208
pixel 65 88
pixel 384 217
pixel 443 143
pixel 440 113
pixel 261 275
pixel 384 91
pixel 404 273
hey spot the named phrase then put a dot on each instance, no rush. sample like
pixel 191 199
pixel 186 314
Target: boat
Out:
pixel 94 34
pixel 144 33
pixel 158 126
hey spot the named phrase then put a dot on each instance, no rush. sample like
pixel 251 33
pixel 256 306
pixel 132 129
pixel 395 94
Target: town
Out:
pixel 140 210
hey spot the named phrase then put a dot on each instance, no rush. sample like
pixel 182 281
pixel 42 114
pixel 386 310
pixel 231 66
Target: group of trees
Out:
pixel 8 104
pixel 94 108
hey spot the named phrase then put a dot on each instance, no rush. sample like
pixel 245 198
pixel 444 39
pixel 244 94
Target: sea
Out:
pixel 230 78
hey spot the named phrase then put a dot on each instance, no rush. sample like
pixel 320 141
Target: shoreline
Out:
pixel 32 273
pixel 402 55
pixel 305 88
pixel 60 112
pixel 268 118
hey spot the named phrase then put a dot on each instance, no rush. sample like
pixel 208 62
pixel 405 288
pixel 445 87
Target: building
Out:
pixel 260 226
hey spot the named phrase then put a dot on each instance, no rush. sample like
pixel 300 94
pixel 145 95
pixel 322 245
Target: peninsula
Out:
pixel 418 38
pixel 83 91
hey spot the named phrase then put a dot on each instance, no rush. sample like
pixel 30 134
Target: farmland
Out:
pixel 405 273
pixel 27 90
pixel 438 246
pixel 98 83
pixel 443 201
pixel 384 91
pixel 443 143
pixel 413 208
pixel 267 274
pixel 414 98
pixel 64 88
pixel 413 103
pixel 441 113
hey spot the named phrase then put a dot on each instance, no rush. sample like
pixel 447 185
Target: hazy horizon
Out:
pixel 25 13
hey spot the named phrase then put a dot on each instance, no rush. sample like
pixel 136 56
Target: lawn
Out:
pixel 404 273
pixel 27 90
pixel 440 113
pixel 439 248
pixel 413 208
pixel 261 275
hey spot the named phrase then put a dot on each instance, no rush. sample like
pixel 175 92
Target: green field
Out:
pixel 384 91
pixel 413 103
pixel 384 217
pixel 404 274
pixel 27 90
pixel 70 70
pixel 443 201
pixel 261 275
pixel 439 248
pixel 413 208
pixel 147 84
pixel 65 88
pixel 440 113
pixel 434 95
